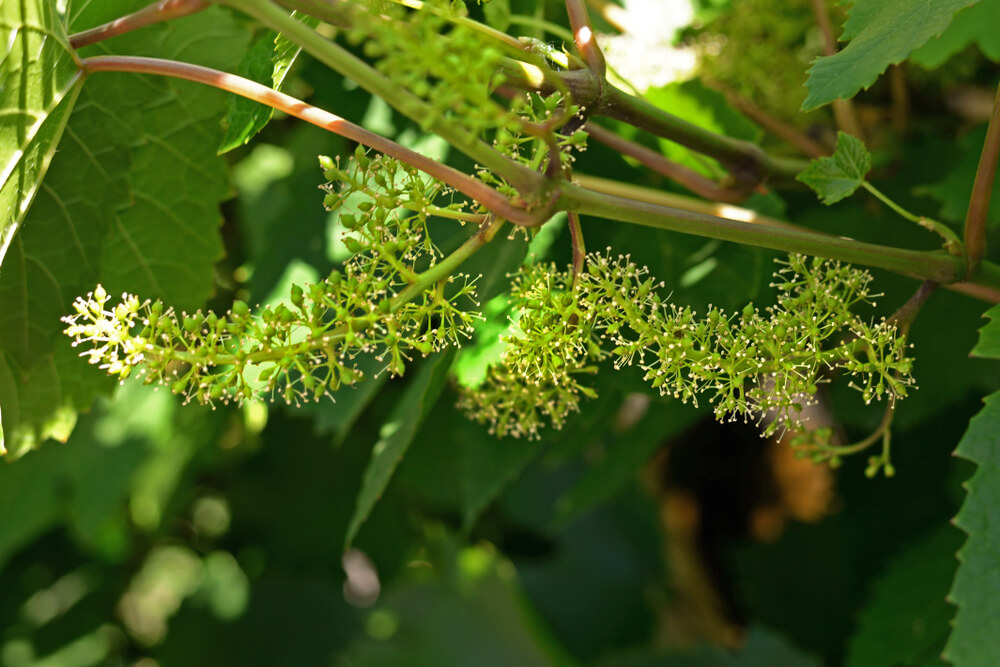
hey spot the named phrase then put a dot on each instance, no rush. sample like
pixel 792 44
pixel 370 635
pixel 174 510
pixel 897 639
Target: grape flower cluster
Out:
pixel 385 301
pixel 760 365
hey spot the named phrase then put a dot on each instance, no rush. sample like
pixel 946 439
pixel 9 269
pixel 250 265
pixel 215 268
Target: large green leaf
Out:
pixel 975 639
pixel 975 25
pixel 882 33
pixel 906 621
pixel 39 82
pixel 396 435
pixel 131 200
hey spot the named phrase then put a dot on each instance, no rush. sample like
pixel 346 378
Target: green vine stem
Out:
pixel 477 190
pixel 951 241
pixel 982 189
pixel 935 265
pixel 731 212
pixel 675 200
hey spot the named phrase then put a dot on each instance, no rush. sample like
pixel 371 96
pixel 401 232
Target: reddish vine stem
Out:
pixel 775 126
pixel 843 110
pixel 690 179
pixel 904 317
pixel 164 10
pixel 579 249
pixel 982 189
pixel 465 184
pixel 583 35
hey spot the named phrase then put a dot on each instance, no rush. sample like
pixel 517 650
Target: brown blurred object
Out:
pixel 719 485
pixel 971 103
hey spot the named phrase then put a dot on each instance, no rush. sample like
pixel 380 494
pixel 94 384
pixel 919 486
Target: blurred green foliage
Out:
pixel 162 534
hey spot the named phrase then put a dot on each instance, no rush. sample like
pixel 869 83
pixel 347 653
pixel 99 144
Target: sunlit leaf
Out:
pixel 131 200
pixel 39 82
pixel 267 62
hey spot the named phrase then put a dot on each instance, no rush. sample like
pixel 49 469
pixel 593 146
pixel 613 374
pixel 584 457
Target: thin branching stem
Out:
pixel 687 177
pixel 878 434
pixel 164 10
pixel 462 182
pixel 952 243
pixel 583 36
pixel 579 248
pixel 904 317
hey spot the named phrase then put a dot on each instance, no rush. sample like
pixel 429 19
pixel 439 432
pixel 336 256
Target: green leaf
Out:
pixel 131 200
pixel 488 466
pixel 40 83
pixel 906 620
pixel 82 483
pixel 244 117
pixel 623 456
pixel 497 14
pixel 975 639
pixel 706 108
pixel 267 62
pixel 839 175
pixel 882 33
pixel 397 434
pixel 286 51
pixel 989 336
pixel 975 25
pixel 761 648
pixel 337 416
